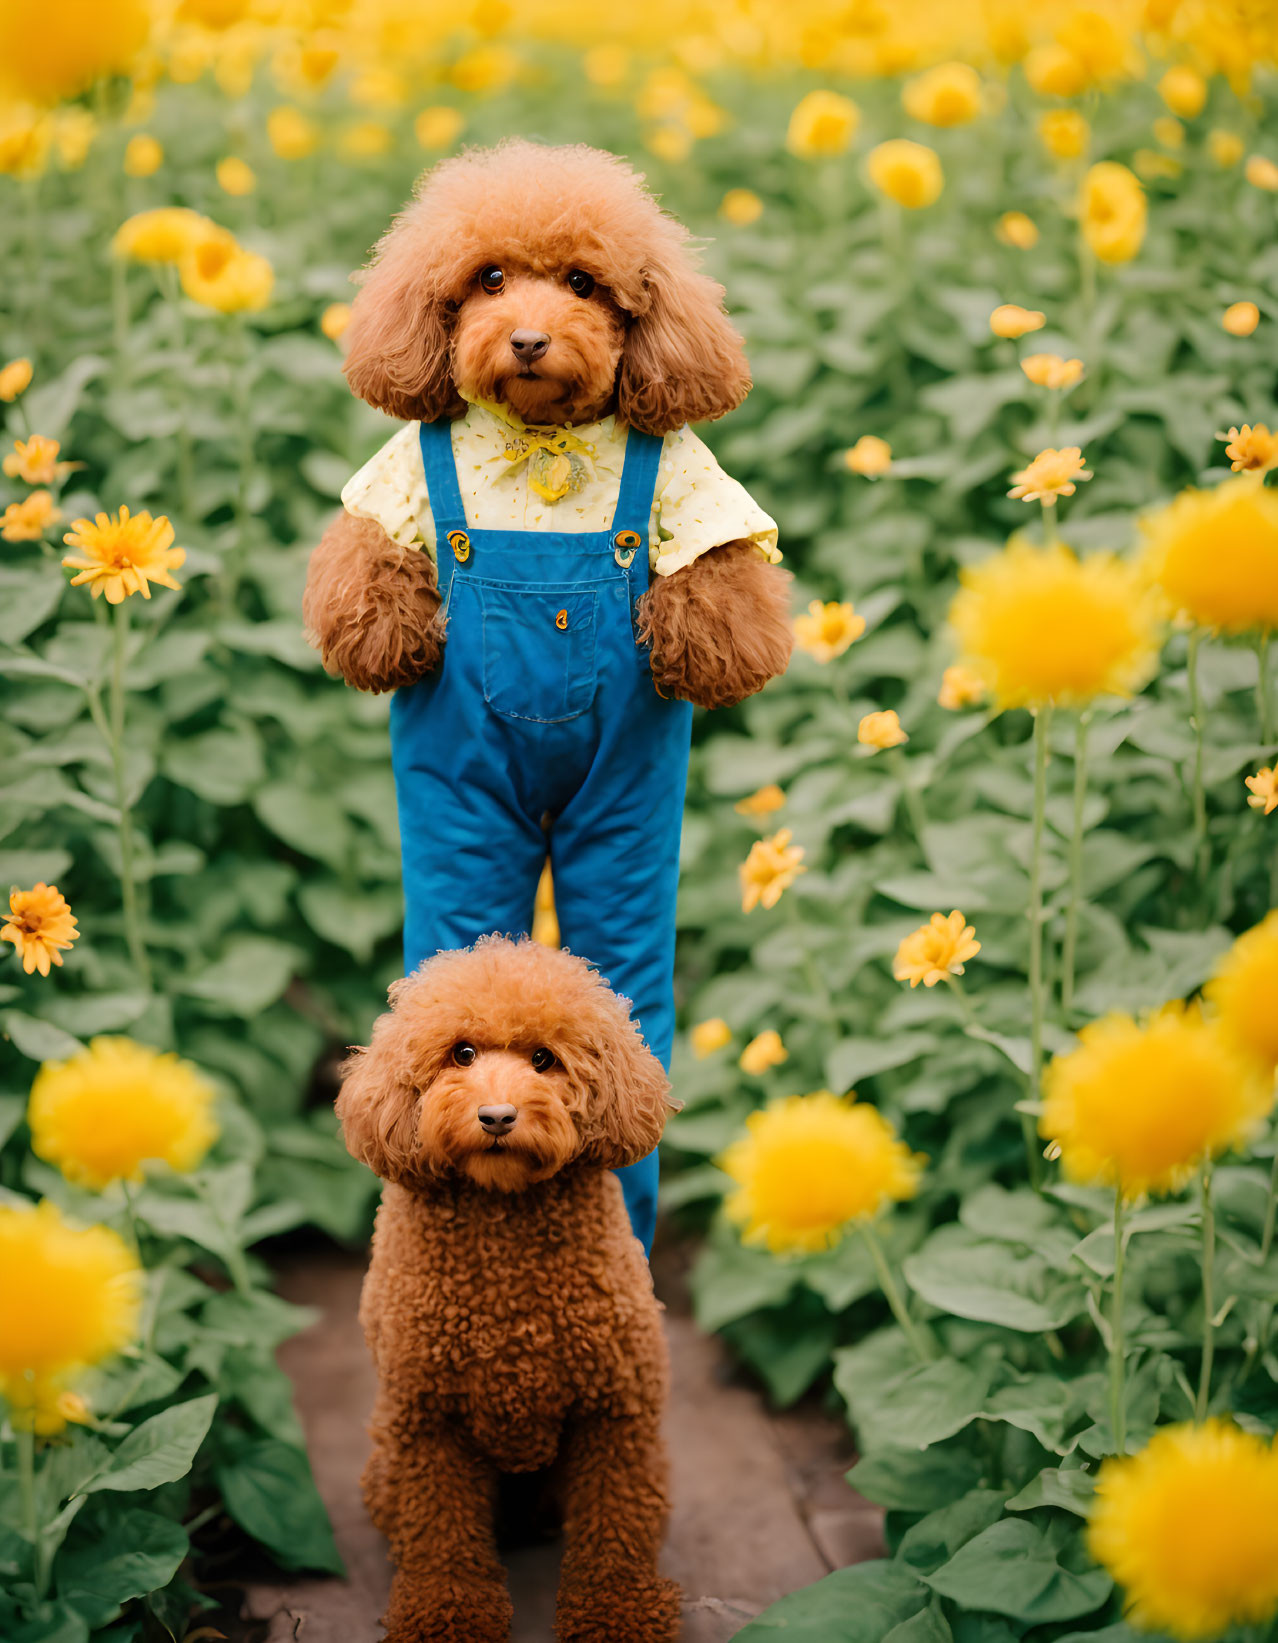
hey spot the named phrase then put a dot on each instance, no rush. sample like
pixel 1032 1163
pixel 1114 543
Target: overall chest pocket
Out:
pixel 539 650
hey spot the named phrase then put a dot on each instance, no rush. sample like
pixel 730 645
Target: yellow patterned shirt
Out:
pixel 695 507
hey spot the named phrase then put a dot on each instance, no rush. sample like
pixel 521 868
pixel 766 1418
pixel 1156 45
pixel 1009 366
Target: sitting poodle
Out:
pixel 547 565
pixel 508 1306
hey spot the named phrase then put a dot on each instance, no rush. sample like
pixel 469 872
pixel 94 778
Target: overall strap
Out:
pixel 634 499
pixel 444 494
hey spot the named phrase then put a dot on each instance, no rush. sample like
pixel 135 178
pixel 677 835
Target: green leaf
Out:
pixel 251 974
pixel 353 919
pixel 937 1537
pixel 162 1449
pixel 993 1283
pixel 927 1626
pixel 270 1493
pixel 1010 1569
pixel 222 766
pixel 122 1554
pixel 857 1605
pixel 1072 1491
pixel 853 1059
pixel 311 822
pixel 38 1040
pixel 921 1406
pixel 914 1480
pixel 728 1281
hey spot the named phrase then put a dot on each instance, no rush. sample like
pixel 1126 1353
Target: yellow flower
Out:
pixel 879 731
pixel 104 1114
pixel 909 173
pixel 1244 988
pixel 741 207
pixel 545 929
pixel 1170 133
pixel 25 135
pixel 1240 319
pixel 1184 91
pixel 485 69
pixel 69 1298
pixel 937 949
pixel 163 235
pixel 870 456
pixel 1052 71
pixel 1010 320
pixel 765 802
pixel 15 378
pixel 1261 172
pixel 40 925
pixel 1051 371
pixel 763 1053
pixel 74 133
pixel 1017 230
pixel 217 272
pixel 1040 626
pixel 365 140
pixel 35 460
pixel 1215 555
pixel 1140 1106
pixel 808 1165
pixel 1189 1529
pixel 334 320
pixel 961 687
pixel 379 87
pixel 1052 474
pixel 28 520
pixel 606 65
pixel 1064 133
pixel 670 143
pixel 823 124
pixel 771 867
pixel 290 133
pixel 51 54
pixel 1225 147
pixel 708 1036
pixel 1112 212
pixel 1251 449
pixel 235 176
pixel 121 554
pixel 143 156
pixel 947 95
pixel 439 127
pixel 1151 164
pixel 827 630
pixel 1263 790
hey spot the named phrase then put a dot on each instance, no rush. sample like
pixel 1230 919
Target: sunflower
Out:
pixel 106 1113
pixel 1262 790
pixel 708 1036
pixel 1016 229
pixel 291 133
pixel 762 1053
pixel 143 155
pixel 908 173
pixel 879 731
pixel 1041 626
pixel 122 554
pixel 163 235
pixel 69 1298
pixel 40 926
pixel 947 95
pixel 1240 319
pixel 808 1165
pixel 15 379
pixel 870 457
pixel 827 630
pixel 1244 993
pixel 334 320
pixel 1189 1529
pixel 764 801
pixel 35 461
pixel 823 125
pixel 1112 212
pixel 1214 554
pixel 771 868
pixel 28 520
pixel 1251 448
pixel 1052 371
pixel 1010 320
pixel 54 51
pixel 937 949
pixel 1051 475
pixel 961 687
pixel 217 272
pixel 1140 1106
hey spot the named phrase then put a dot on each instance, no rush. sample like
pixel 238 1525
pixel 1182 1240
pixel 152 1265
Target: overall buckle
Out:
pixel 625 544
pixel 460 544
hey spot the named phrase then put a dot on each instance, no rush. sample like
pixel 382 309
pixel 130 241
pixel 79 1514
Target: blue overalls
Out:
pixel 541 730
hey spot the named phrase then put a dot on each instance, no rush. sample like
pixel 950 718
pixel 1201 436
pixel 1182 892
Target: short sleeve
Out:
pixel 391 489
pixel 698 507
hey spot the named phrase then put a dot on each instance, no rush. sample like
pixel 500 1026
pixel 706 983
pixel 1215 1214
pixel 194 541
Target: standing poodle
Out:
pixel 508 1306
pixel 547 565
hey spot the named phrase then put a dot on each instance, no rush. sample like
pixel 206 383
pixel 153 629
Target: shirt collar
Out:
pixel 602 430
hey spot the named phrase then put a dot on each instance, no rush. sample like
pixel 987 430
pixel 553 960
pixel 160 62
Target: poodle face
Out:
pixel 550 279
pixel 502 1064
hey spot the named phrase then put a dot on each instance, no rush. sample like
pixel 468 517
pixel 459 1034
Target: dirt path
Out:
pixel 760 1505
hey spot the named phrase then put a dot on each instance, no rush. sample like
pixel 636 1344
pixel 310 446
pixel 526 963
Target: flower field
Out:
pixel 999 854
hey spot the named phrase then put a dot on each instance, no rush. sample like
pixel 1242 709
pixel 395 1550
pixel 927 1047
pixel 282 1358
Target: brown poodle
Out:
pixel 508 1306
pixel 550 281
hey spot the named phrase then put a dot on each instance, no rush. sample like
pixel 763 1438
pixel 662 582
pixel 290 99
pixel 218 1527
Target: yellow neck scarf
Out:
pixel 551 469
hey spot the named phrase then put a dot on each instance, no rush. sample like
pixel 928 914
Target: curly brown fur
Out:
pixel 720 627
pixel 372 607
pixel 508 1306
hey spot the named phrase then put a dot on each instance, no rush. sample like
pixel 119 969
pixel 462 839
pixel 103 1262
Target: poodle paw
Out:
pixel 620 1611
pixel 425 1611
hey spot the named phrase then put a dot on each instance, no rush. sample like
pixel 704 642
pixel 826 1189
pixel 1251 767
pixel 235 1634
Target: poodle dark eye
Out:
pixel 580 282
pixel 492 279
pixel 542 1059
pixel 464 1054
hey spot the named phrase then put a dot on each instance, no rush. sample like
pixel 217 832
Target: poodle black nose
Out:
pixel 528 345
pixel 498 1120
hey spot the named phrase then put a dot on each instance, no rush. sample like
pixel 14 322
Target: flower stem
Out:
pixel 31 1505
pixel 1042 729
pixel 816 981
pixel 1264 693
pixel 964 1002
pixel 1117 1341
pixel 1209 1304
pixel 913 803
pixel 1196 720
pixel 128 881
pixel 131 1216
pixel 920 1344
pixel 1271 1209
pixel 1075 863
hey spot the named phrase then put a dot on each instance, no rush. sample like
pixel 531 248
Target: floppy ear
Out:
pixel 378 1103
pixel 628 1094
pixel 683 360
pixel 399 352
